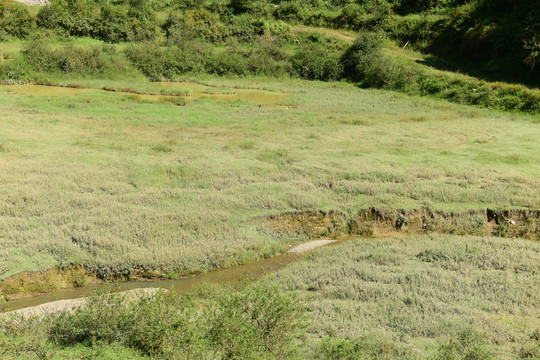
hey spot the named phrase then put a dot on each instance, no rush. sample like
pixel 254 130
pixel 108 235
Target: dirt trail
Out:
pixel 72 304
pixel 330 32
pixel 302 248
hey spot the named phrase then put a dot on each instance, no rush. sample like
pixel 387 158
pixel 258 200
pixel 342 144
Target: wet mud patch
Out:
pixel 171 92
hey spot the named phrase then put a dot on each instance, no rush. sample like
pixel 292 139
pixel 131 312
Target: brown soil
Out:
pixel 28 284
pixel 384 222
pixel 314 224
pixel 72 304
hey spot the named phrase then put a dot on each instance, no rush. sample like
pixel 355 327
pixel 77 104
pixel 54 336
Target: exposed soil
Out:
pixel 384 222
pixel 314 224
pixel 302 248
pixel 72 304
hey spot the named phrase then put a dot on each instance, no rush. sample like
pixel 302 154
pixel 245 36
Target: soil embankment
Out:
pixel 384 222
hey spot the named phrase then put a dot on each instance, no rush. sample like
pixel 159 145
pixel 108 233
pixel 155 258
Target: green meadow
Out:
pixel 119 181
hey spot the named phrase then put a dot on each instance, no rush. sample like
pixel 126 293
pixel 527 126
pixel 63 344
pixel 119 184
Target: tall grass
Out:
pixel 435 297
pixel 102 192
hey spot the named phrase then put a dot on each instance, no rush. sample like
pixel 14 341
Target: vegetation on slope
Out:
pixel 259 38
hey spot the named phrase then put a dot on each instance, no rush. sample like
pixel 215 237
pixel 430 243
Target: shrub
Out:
pixel 260 321
pixel 245 28
pixel 15 19
pixel 195 24
pixel 363 348
pixel 315 62
pixel 291 11
pixel 75 17
pixel 350 16
pixel 467 344
pixel 109 21
pixel 157 62
pixel 69 59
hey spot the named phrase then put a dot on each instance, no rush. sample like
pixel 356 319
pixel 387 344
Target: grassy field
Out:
pixel 117 182
pixel 412 295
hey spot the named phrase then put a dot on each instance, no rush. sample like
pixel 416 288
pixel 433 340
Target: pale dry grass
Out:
pixel 416 292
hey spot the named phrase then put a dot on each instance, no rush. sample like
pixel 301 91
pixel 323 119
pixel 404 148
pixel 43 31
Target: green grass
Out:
pixel 416 293
pixel 116 183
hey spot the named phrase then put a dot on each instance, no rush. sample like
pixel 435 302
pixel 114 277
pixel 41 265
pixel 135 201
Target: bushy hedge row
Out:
pixel 158 62
pixel 259 322
pixel 121 20
pixel 15 20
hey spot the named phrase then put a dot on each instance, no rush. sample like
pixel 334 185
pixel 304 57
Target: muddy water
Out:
pixel 234 277
pixel 192 91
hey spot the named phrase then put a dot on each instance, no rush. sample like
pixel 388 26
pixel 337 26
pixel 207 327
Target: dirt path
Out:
pixel 302 248
pixel 348 37
pixel 72 304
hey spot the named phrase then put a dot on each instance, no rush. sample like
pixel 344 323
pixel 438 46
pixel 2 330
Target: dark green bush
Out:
pixel 245 28
pixel 82 60
pixel 109 21
pixel 158 62
pixel 15 19
pixel 316 62
pixel 260 320
pixel 291 11
pixel 195 24
pixel 350 16
pixel 358 349
pixel 75 17
pixel 467 344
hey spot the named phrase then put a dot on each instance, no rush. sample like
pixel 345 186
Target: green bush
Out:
pixel 260 321
pixel 315 62
pixel 158 62
pixel 195 24
pixel 81 60
pixel 365 63
pixel 15 19
pixel 245 28
pixel 74 17
pixel 363 348
pixel 467 344
pixel 109 21
pixel 291 11
pixel 350 16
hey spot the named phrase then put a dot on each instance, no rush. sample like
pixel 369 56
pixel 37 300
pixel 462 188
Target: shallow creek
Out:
pixel 234 276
